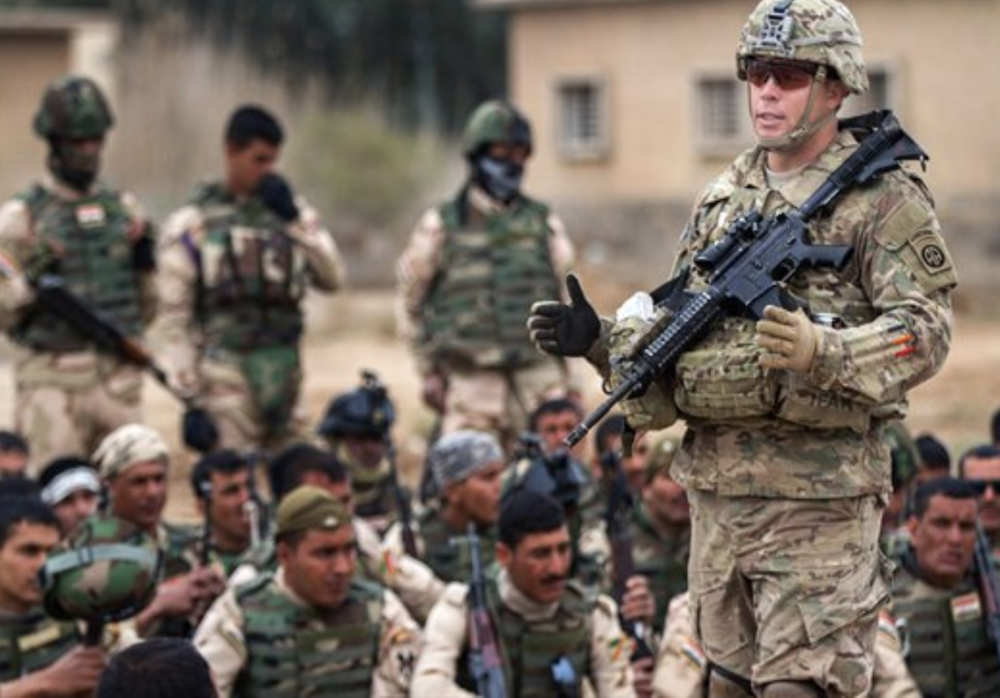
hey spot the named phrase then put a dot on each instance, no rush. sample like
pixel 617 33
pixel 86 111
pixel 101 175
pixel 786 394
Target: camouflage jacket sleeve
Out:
pixel 15 244
pixel 415 272
pixel 563 255
pixel 444 641
pixel 680 663
pixel 219 639
pixel 610 671
pixel 326 266
pixel 399 648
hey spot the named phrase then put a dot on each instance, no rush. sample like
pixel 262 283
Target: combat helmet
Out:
pixel 73 107
pixel 107 571
pixel 823 32
pixel 495 122
pixel 367 411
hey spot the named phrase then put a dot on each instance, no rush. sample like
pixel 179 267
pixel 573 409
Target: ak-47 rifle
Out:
pixel 617 518
pixel 747 267
pixel 485 662
pixel 989 587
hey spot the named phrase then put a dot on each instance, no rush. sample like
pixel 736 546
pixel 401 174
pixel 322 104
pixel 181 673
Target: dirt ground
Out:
pixel 352 331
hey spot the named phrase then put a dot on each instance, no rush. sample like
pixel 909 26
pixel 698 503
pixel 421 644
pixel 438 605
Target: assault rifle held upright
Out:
pixel 485 663
pixel 747 267
pixel 989 587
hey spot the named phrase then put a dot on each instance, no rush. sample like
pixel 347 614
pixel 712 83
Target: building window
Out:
pixel 721 122
pixel 582 110
pixel 881 93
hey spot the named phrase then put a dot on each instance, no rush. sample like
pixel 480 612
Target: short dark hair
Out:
pixel 933 454
pixel 11 442
pixel 610 428
pixel 524 512
pixel 554 406
pixel 982 451
pixel 251 122
pixel 17 509
pixel 179 670
pixel 950 487
pixel 225 461
pixel 58 466
pixel 288 469
pixel 19 486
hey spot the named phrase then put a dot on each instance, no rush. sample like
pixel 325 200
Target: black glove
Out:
pixel 274 191
pixel 565 330
pixel 144 253
pixel 199 430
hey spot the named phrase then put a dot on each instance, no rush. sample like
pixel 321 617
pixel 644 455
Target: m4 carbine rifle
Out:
pixel 747 267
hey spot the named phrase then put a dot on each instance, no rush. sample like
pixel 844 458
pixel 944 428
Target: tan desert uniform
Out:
pixel 681 667
pixel 479 391
pixel 445 640
pixel 205 362
pixel 69 395
pixel 220 639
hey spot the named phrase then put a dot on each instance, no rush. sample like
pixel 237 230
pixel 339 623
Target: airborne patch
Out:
pixel 966 607
pixel 932 255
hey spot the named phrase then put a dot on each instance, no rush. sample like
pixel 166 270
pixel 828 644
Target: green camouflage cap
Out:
pixel 308 507
pixel 73 107
pixel 817 31
pixel 107 571
pixel 127 446
pixel 495 122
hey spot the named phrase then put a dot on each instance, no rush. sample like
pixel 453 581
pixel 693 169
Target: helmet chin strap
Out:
pixel 804 128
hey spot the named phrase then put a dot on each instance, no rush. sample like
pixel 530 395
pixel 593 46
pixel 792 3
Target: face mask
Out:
pixel 500 178
pixel 72 166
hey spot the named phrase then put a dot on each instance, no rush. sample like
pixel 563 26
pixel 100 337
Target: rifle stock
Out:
pixel 485 662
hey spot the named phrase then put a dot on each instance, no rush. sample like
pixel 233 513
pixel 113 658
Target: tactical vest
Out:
pixel 451 563
pixel 292 651
pixel 251 276
pixel 663 562
pixel 493 267
pixel 32 643
pixel 950 654
pixel 95 261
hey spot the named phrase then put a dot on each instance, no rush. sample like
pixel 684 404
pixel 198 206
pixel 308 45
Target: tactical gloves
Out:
pixel 274 191
pixel 565 330
pixel 199 430
pixel 789 338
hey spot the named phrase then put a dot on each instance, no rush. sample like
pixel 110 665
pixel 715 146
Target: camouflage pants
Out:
pixel 68 403
pixel 788 589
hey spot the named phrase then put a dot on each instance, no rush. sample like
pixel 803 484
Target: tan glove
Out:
pixel 789 338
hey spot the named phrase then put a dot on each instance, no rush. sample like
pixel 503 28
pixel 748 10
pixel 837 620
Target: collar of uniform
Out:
pixel 813 175
pixel 64 191
pixel 514 599
pixel 483 202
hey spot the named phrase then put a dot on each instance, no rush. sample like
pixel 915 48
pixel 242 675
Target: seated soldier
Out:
pixel 544 622
pixel 39 656
pixel 71 487
pixel 313 627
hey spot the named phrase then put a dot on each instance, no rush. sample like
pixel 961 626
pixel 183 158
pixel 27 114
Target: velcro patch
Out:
pixel 931 252
pixel 90 215
pixel 966 607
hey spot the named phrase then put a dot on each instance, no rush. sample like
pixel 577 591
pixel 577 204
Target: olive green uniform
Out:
pixel 32 642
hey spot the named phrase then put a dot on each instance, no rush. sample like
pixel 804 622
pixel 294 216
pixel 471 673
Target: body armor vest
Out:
pixel 252 277
pixel 94 260
pixel 950 654
pixel 32 643
pixel 451 562
pixel 493 267
pixel 292 651
pixel 662 561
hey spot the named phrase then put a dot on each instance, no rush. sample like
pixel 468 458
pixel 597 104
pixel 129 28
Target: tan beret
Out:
pixel 127 446
pixel 309 507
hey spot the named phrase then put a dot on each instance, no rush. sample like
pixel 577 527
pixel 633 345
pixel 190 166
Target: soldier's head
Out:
pixel 553 420
pixel 663 496
pixel 357 424
pixel 935 459
pixel 801 59
pixel 133 462
pixel 533 545
pixel 497 143
pixel 179 668
pixel 980 466
pixel 316 546
pixel 74 117
pixel 943 530
pixel 222 479
pixel 252 145
pixel 467 467
pixel 305 464
pixel 72 488
pixel 14 453
pixel 28 531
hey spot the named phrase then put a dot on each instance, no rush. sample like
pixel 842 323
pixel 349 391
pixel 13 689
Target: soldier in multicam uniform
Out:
pixel 935 592
pixel 540 617
pixel 784 460
pixel 312 628
pixel 70 393
pixel 133 463
pixel 235 264
pixel 471 270
pixel 38 654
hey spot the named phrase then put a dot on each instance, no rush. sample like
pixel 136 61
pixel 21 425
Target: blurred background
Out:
pixel 634 105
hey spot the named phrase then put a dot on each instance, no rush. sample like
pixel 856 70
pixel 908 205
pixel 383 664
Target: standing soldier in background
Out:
pixel 70 394
pixel 467 278
pixel 236 262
